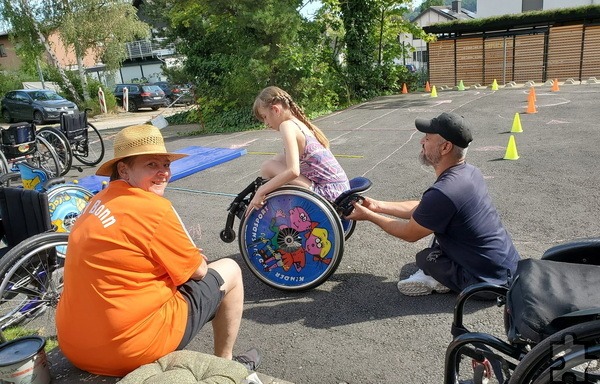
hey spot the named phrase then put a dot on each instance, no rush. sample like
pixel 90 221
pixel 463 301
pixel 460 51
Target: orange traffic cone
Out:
pixel 404 90
pixel 531 105
pixel 555 86
pixel 427 87
pixel 532 94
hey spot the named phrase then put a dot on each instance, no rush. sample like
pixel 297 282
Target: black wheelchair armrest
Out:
pixel 471 291
pixel 582 251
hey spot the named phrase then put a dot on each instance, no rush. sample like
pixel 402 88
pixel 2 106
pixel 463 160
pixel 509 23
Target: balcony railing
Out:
pixel 148 48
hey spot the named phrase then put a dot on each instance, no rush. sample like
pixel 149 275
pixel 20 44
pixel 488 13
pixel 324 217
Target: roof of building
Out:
pixel 448 13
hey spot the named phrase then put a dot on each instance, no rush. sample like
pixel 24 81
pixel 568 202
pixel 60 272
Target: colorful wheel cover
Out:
pixel 293 241
pixel 66 204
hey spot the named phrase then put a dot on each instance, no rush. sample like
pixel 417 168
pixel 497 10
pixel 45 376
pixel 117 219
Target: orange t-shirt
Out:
pixel 120 308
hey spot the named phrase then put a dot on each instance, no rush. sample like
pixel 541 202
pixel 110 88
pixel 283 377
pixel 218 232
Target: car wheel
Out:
pixel 131 106
pixel 38 117
pixel 6 116
pixel 155 108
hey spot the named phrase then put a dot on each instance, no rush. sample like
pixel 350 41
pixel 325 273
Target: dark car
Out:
pixel 35 105
pixel 177 94
pixel 141 96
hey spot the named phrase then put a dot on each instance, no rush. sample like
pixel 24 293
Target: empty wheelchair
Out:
pixel 296 240
pixel 75 137
pixel 19 143
pixel 551 319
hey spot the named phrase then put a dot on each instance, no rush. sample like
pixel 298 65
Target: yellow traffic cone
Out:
pixel 494 85
pixel 511 149
pixel 461 86
pixel 516 127
pixel 433 92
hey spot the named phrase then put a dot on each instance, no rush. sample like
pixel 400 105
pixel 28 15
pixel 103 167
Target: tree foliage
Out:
pixel 97 27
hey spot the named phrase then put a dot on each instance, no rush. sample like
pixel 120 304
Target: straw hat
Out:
pixel 137 140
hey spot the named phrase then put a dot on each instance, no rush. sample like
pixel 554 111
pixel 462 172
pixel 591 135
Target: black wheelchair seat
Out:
pixel 547 296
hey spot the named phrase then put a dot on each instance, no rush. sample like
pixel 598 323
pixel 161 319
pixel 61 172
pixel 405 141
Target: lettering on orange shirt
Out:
pixel 104 214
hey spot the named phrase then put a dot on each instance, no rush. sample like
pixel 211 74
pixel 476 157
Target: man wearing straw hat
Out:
pixel 135 286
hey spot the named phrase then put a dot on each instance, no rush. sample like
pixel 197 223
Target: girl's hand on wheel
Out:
pixel 257 203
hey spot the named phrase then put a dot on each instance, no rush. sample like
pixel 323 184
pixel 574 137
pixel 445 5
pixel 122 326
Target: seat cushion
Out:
pixel 547 296
pixel 188 367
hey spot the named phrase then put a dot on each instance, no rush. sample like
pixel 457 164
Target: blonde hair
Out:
pixel 275 95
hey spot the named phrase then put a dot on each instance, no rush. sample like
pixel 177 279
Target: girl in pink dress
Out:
pixel 306 161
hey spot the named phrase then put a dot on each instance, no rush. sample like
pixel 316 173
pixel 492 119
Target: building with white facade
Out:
pixel 431 15
pixel 487 8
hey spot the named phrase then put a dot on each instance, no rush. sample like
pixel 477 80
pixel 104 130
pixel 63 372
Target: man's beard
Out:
pixel 431 160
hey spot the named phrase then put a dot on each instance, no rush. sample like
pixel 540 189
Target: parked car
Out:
pixel 141 96
pixel 177 94
pixel 35 105
pixel 182 94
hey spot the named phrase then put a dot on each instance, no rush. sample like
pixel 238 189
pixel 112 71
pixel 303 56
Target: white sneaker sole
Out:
pixel 411 288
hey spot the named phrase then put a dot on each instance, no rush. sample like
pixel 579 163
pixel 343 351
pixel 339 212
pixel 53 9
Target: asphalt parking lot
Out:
pixel 356 327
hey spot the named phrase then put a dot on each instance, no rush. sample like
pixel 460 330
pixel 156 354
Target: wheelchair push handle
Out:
pixel 238 207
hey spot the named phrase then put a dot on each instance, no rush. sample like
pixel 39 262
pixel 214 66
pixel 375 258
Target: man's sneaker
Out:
pixel 420 284
pixel 249 359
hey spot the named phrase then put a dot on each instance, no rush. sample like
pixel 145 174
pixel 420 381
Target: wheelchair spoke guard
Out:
pixel 295 242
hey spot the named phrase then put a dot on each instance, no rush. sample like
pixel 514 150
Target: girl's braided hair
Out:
pixel 275 95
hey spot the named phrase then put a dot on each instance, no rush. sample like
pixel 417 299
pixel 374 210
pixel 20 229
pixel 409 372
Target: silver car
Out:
pixel 35 105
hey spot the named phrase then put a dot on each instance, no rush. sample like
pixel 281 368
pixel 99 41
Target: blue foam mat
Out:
pixel 199 158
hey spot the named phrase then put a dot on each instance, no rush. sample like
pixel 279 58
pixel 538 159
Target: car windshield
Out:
pixel 45 95
pixel 151 88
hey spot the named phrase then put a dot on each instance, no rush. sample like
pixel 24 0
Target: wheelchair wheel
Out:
pixel 31 281
pixel 295 242
pixel 348 226
pixel 45 157
pixel 569 356
pixel 66 202
pixel 90 150
pixel 4 168
pixel 61 145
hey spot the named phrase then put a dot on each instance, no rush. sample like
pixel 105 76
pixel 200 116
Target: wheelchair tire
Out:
pixel 558 358
pixel 4 168
pixel 46 158
pixel 31 280
pixel 91 150
pixel 348 226
pixel 61 145
pixel 66 202
pixel 292 255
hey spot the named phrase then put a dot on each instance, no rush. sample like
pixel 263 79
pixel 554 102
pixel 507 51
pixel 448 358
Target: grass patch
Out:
pixel 16 332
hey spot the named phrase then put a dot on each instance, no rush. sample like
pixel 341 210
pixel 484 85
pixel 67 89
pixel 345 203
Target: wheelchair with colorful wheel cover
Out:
pixel 296 240
pixel 65 201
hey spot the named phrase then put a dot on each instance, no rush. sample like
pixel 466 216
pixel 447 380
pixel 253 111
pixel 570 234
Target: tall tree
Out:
pixel 86 27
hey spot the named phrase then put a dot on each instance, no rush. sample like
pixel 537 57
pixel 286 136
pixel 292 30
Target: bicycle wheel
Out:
pixel 90 149
pixel 295 242
pixel 66 202
pixel 31 281
pixel 568 356
pixel 45 157
pixel 61 145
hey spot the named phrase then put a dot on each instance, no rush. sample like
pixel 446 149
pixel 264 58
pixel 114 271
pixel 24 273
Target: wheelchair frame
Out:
pixel 43 156
pixel 296 240
pixel 72 138
pixel 558 358
pixel 31 272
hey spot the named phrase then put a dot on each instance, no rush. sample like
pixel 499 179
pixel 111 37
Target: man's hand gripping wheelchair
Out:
pixel 296 240
pixel 551 319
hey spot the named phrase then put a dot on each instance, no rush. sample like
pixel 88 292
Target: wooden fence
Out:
pixel 563 52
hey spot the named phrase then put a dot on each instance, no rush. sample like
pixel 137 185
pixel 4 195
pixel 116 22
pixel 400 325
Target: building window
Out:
pixel 2 51
pixel 533 5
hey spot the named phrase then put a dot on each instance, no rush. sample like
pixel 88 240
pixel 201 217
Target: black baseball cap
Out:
pixel 450 126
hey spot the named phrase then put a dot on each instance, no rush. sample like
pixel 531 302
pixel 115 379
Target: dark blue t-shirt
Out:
pixel 459 210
